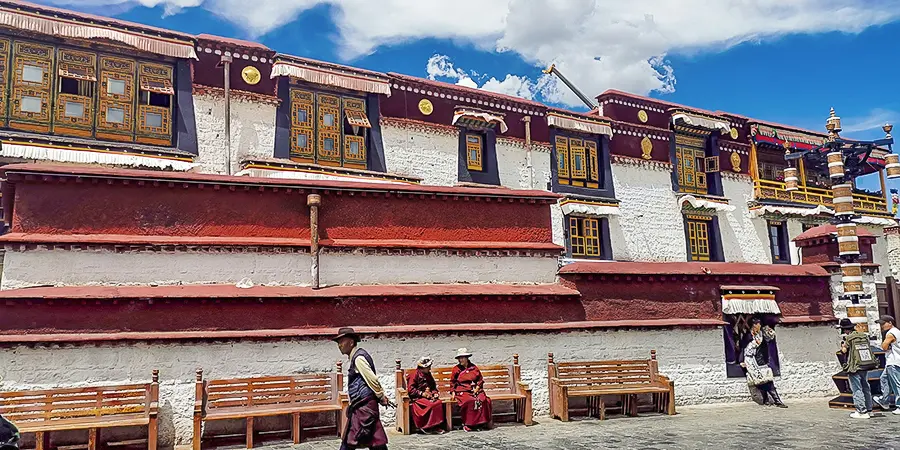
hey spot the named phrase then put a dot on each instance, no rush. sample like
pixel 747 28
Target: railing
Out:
pixel 775 190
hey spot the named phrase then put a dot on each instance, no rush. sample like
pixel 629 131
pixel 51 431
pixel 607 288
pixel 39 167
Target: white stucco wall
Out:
pixel 879 252
pixel 892 245
pixel 101 267
pixel 424 152
pixel 650 226
pixel 694 359
pixel 252 131
pixel 512 164
pixel 743 239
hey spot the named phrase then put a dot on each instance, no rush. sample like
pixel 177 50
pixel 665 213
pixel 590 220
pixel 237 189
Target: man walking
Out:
pixel 859 361
pixel 890 377
pixel 364 429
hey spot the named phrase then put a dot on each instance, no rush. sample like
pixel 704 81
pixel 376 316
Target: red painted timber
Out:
pixel 98 201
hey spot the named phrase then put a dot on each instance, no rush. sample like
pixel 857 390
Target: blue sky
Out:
pixel 783 61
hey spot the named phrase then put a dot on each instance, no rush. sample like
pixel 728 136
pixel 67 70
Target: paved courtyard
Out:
pixel 807 424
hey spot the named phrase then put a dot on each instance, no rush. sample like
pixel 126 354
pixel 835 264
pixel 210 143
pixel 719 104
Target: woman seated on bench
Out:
pixel 427 407
pixel 468 389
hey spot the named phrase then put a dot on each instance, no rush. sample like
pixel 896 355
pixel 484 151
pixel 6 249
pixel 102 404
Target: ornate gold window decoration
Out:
pixel 474 151
pixel 578 161
pixel 698 237
pixel 584 237
pixel 328 129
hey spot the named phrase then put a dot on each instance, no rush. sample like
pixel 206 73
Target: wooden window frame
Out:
pixel 780 228
pixel 88 67
pixel 350 125
pixel 587 237
pixel 567 149
pixel 474 148
pixel 691 162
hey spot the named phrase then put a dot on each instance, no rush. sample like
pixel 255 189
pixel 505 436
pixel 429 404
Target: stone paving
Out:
pixel 807 424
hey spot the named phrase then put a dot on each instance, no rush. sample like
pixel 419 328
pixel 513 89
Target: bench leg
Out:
pixel 528 412
pixel 198 430
pixel 602 408
pixel 448 412
pixel 339 421
pixel 152 433
pixel 564 408
pixel 93 435
pixel 633 405
pixel 42 440
pixel 295 427
pixel 249 432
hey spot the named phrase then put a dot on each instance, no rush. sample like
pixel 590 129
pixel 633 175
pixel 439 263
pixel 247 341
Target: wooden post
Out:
pixel 551 372
pixel 153 426
pixel 802 169
pixel 884 191
pixel 340 415
pixel 314 201
pixel 198 409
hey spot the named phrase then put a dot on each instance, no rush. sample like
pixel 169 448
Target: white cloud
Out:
pixel 597 44
pixel 872 121
pixel 440 66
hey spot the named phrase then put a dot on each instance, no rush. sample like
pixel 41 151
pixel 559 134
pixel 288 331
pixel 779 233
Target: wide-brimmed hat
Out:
pixel 845 324
pixel 463 353
pixel 346 332
pixel 425 362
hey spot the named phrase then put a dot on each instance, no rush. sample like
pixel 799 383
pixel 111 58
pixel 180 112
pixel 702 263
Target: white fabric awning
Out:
pixel 749 304
pixel 702 203
pixel 876 221
pixel 321 75
pixel 575 124
pixel 590 209
pixel 790 211
pixel 311 175
pixel 58 26
pixel 86 156
pixel 703 122
pixel 462 115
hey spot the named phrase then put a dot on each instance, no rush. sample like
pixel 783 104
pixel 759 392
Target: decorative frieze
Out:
pixel 420 126
pixel 644 163
pixel 474 99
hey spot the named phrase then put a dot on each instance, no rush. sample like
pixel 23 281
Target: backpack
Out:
pixel 9 435
pixel 867 360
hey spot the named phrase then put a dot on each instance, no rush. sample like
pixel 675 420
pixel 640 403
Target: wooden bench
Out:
pixel 249 398
pixel 593 379
pixel 86 408
pixel 501 383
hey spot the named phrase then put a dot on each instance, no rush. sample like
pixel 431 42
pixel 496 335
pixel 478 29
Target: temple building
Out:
pixel 174 201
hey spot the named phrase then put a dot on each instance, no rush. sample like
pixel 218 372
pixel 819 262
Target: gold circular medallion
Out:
pixel 735 159
pixel 251 75
pixel 734 133
pixel 642 116
pixel 425 107
pixel 646 147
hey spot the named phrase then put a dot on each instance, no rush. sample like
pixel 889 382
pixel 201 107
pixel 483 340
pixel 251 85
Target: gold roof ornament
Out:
pixel 833 125
pixel 887 130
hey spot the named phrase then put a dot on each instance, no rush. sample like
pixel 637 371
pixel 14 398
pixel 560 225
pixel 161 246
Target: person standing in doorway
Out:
pixel 364 428
pixel 858 363
pixel 890 377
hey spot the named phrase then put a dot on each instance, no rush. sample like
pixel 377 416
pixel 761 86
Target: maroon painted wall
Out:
pixel 64 205
pixel 207 72
pixel 404 104
pixel 644 297
pixel 136 315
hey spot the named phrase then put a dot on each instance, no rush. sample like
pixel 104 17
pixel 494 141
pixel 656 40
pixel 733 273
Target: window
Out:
pixel 577 162
pixel 587 238
pixel 698 230
pixel 691 162
pixel 737 336
pixel 79 92
pixel 328 129
pixel 474 151
pixel 772 172
pixel 778 242
pixel 808 226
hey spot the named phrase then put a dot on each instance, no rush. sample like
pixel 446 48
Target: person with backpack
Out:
pixel 859 361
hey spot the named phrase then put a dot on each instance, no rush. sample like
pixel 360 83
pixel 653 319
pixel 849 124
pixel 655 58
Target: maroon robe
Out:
pixel 426 412
pixel 462 380
pixel 364 429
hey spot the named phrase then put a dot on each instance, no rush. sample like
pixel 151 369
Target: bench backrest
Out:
pixel 605 373
pixel 307 389
pixel 81 403
pixel 498 378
